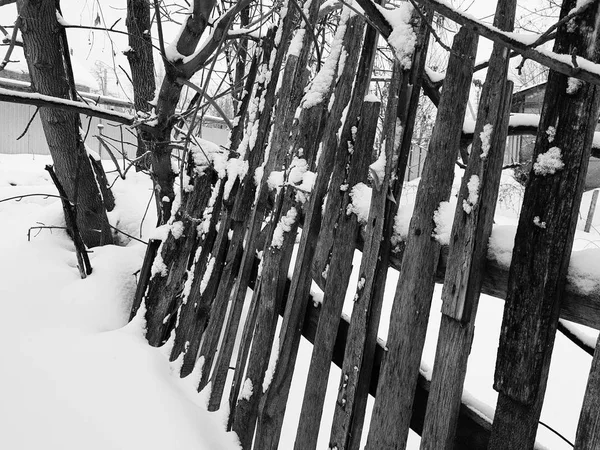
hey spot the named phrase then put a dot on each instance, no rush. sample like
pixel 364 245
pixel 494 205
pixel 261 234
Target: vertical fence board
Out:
pixel 588 429
pixel 339 269
pixel 273 403
pixel 410 312
pixel 543 244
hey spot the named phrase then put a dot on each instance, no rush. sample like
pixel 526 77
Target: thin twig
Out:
pixel 11 46
pixel 18 198
pixel 161 40
pixel 557 433
pixel 431 29
pixel 544 37
pixel 207 97
pixel 29 123
pixel 312 32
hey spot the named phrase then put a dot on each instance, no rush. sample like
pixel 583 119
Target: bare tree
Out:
pixel 48 59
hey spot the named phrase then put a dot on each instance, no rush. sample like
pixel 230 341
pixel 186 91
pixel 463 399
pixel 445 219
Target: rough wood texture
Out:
pixel 402 113
pixel 588 429
pixel 163 296
pixel 276 259
pixel 456 336
pixel 410 312
pixel 473 220
pixel 288 99
pixel 340 267
pixel 543 244
pixel 590 216
pixel 473 431
pixel 193 312
pixel 141 62
pixel 273 403
pixel 252 202
pixel 237 216
pixel 468 249
pixel 273 279
pixel 364 310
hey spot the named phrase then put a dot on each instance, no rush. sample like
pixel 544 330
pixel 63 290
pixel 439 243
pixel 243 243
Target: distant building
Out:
pixel 520 148
pixel 15 117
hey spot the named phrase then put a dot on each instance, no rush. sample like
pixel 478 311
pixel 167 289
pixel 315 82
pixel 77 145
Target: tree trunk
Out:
pixel 141 63
pixel 45 58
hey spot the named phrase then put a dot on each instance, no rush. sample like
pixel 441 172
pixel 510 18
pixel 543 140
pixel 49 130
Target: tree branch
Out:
pixel 220 32
pixel 10 96
pixel 585 70
pixel 11 45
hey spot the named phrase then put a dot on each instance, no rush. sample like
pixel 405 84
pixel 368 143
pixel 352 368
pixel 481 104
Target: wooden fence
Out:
pixel 289 178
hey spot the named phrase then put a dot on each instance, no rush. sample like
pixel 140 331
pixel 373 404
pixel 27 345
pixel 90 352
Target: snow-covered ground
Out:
pixel 76 375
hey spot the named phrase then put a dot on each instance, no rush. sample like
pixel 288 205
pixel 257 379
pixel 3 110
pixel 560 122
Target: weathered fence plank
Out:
pixel 456 336
pixel 229 253
pixel 410 312
pixel 544 240
pixel 252 204
pixel 588 429
pixel 277 256
pixel 340 266
pixel 472 227
pixel 592 210
pixel 350 384
pixel 163 295
pixel 273 403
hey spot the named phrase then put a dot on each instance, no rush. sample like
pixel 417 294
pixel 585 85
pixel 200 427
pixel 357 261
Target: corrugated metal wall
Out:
pixel 14 118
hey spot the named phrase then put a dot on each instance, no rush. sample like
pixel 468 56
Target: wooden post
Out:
pixel 588 429
pixel 468 248
pixel 359 357
pixel 236 216
pixel 340 268
pixel 163 296
pixel 274 401
pixel 250 209
pixel 544 240
pixel 410 312
pixel 592 210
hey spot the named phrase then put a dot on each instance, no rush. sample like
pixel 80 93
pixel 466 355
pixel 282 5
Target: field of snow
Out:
pixel 76 375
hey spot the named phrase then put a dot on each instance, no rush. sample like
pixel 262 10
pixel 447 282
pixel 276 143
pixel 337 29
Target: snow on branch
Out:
pixel 27 98
pixel 585 70
pixel 193 62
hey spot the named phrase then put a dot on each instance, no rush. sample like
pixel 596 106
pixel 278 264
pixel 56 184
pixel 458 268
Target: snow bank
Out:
pixel 77 376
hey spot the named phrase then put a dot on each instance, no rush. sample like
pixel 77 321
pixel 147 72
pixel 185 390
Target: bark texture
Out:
pixel 44 52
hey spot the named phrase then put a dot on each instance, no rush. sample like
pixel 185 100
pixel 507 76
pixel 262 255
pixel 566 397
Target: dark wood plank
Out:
pixel 355 165
pixel 588 429
pixel 456 336
pixel 543 244
pixel 274 401
pixel 410 312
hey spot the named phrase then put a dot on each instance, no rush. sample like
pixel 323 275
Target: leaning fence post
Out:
pixel 588 429
pixel 592 210
pixel 544 240
pixel 408 323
